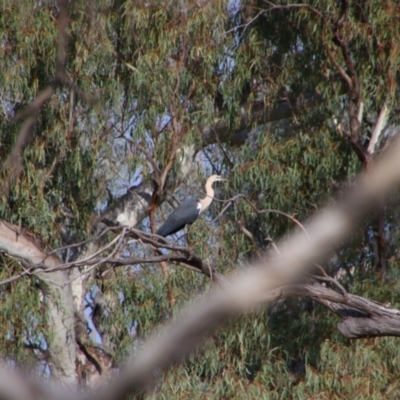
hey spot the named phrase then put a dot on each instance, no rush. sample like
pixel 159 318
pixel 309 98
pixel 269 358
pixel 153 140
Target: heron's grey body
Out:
pixel 188 211
pixel 185 214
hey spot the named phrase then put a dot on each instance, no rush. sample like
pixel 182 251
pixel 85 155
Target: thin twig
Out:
pixel 106 259
pixel 327 278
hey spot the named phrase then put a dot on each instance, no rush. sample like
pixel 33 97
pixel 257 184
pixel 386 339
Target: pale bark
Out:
pixel 359 317
pixel 58 298
pixel 378 129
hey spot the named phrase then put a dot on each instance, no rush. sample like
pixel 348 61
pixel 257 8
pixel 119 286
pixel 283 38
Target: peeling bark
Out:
pixel 360 317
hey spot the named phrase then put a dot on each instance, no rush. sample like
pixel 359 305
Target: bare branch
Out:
pixel 274 7
pixel 129 66
pixel 259 114
pixel 257 211
pixel 13 164
pixel 360 317
pixel 45 264
pixel 378 129
pixel 340 69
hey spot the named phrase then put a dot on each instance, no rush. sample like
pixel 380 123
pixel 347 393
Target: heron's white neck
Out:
pixel 209 198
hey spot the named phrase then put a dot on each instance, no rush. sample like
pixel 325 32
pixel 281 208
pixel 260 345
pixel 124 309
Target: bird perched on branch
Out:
pixel 189 211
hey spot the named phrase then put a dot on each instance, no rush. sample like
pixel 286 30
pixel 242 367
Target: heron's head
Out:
pixel 215 178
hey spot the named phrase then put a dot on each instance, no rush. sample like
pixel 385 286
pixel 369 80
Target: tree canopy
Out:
pixel 114 112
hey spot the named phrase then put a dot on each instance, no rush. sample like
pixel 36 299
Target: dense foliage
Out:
pixel 143 81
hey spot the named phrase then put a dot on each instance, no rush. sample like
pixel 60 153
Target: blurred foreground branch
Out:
pixel 12 166
pixel 250 288
pixel 270 279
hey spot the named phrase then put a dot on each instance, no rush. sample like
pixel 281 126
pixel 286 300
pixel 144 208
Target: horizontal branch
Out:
pixel 360 317
pixel 254 115
pixel 41 265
